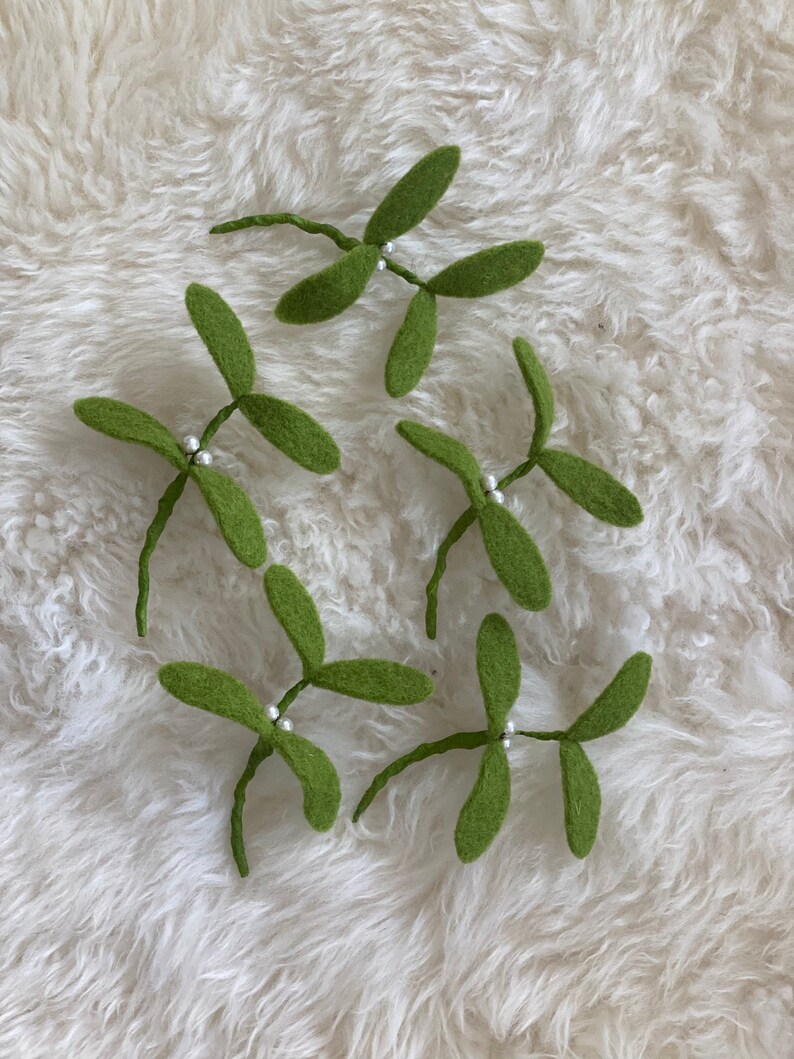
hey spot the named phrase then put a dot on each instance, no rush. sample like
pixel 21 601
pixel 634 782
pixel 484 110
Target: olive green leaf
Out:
pixel 515 558
pixel 317 776
pixel 413 196
pixel 581 798
pixel 537 382
pixel 413 344
pixel 330 292
pixel 122 421
pixel 592 488
pixel 449 453
pixel 223 335
pixel 297 614
pixel 216 692
pixel 499 670
pixel 292 431
pixel 235 514
pixel 375 680
pixel 488 271
pixel 617 703
pixel 484 811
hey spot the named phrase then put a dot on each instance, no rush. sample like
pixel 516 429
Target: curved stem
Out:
pixel 262 749
pixel 211 429
pixel 267 220
pixel 404 273
pixel 165 507
pixel 458 741
pixel 542 735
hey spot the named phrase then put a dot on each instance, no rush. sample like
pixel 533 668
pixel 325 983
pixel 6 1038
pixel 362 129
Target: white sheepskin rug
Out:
pixel 649 146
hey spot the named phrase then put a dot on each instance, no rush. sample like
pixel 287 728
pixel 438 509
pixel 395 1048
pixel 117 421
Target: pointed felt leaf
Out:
pixel 293 431
pixel 592 488
pixel 412 347
pixel 449 453
pixel 375 680
pixel 581 798
pixel 537 382
pixel 216 692
pixel 297 614
pixel 235 514
pixel 413 196
pixel 223 335
pixel 485 809
pixel 617 703
pixel 488 271
pixel 122 421
pixel 515 558
pixel 317 775
pixel 499 670
pixel 330 292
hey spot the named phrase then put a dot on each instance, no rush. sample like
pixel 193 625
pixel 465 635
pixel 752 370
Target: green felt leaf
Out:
pixel 617 703
pixel 499 670
pixel 122 421
pixel 581 798
pixel 413 196
pixel 223 335
pixel 592 488
pixel 235 514
pixel 413 344
pixel 292 431
pixel 217 692
pixel 330 292
pixel 375 680
pixel 488 271
pixel 449 453
pixel 297 614
pixel 317 775
pixel 537 382
pixel 515 558
pixel 485 809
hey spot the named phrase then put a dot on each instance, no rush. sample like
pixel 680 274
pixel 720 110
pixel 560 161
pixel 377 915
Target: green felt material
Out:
pixel 581 797
pixel 592 488
pixel 458 741
pixel 488 271
pixel 235 514
pixel 413 196
pixel 297 614
pixel 262 750
pixel 122 421
pixel 617 703
pixel 317 775
pixel 330 292
pixel 449 453
pixel 224 337
pixel 485 809
pixel 375 680
pixel 413 344
pixel 165 507
pixel 499 670
pixel 292 431
pixel 217 692
pixel 537 382
pixel 515 558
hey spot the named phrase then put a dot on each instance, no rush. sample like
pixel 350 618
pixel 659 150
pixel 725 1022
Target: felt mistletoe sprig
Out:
pixel 484 811
pixel 370 679
pixel 329 292
pixel 514 555
pixel 284 425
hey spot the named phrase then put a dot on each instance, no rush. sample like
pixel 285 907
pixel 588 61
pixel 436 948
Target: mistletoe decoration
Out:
pixel 484 811
pixel 325 294
pixel 284 425
pixel 371 679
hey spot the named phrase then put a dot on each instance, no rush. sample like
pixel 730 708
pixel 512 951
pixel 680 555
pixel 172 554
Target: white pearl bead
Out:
pixel 497 496
pixel 381 265
pixel 489 482
pixel 203 458
pixel 505 742
pixel 284 723
pixel 388 247
pixel 272 713
pixel 510 728
pixel 191 444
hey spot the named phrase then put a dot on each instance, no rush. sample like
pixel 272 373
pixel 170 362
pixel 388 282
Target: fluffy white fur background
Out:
pixel 649 145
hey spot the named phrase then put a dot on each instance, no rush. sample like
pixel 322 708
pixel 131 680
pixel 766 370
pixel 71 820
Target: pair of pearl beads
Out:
pixel 387 248
pixel 489 484
pixel 507 734
pixel 192 446
pixel 284 723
